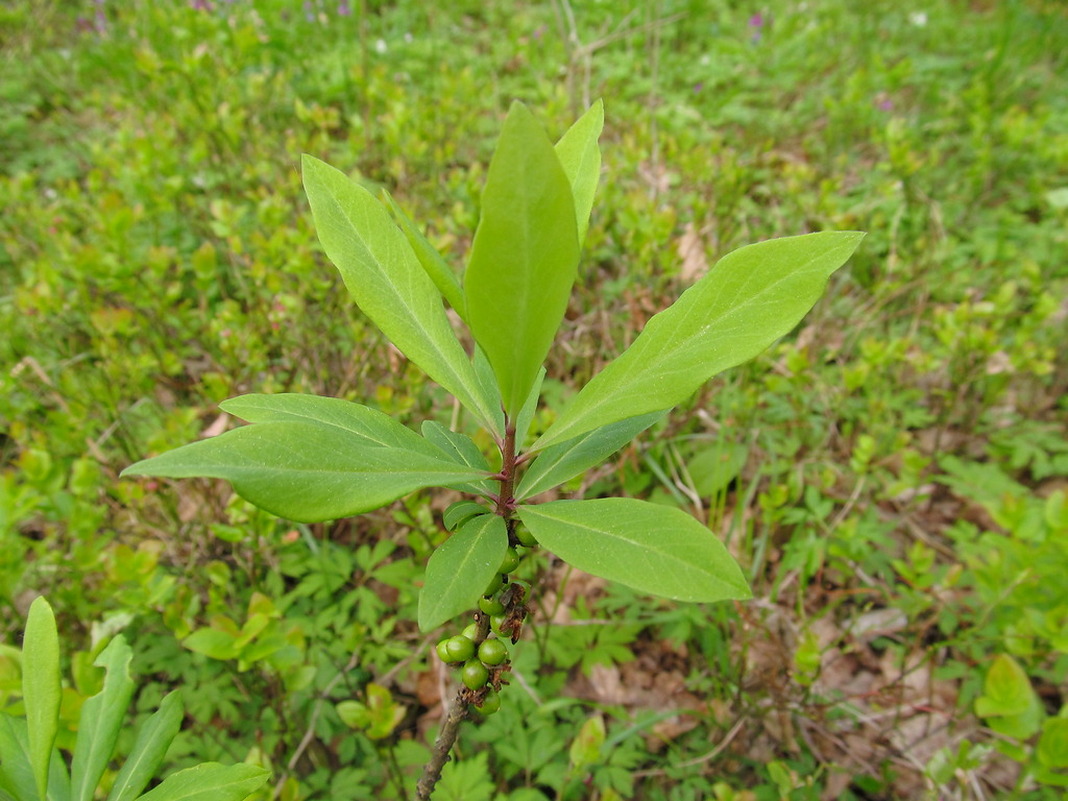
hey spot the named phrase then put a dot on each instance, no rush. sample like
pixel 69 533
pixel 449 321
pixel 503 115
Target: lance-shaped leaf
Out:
pixel 41 688
pixel 561 462
pixel 373 427
pixel 462 449
pixel 101 719
pixel 386 280
pixel 307 471
pixel 655 549
pixel 153 739
pixel 16 771
pixel 460 570
pixel 530 406
pixel 210 782
pixel 488 389
pixel 460 512
pixel 524 256
pixel 580 156
pixel 58 778
pixel 749 299
pixel 436 267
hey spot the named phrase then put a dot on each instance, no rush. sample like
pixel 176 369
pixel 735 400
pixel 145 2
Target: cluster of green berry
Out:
pixel 480 650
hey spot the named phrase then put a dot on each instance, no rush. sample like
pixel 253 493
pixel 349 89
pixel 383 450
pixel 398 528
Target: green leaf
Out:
pixel 213 643
pixel 16 769
pixel 469 779
pixel 373 427
pixel 307 471
pixel 652 548
pixel 58 778
pixel 749 299
pixel 460 570
pixel 530 406
pixel 210 782
pixel 377 718
pixel 580 156
pixel 1052 750
pixel 586 749
pixel 101 720
pixel 387 281
pixel 436 267
pixel 370 424
pixel 1007 690
pixel 1008 702
pixel 488 389
pixel 712 469
pixel 562 462
pixel 524 256
pixel 41 688
pixel 154 737
pixel 460 512
pixel 462 449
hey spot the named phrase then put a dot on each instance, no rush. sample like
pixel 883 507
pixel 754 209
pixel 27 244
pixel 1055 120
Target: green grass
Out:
pixel 892 475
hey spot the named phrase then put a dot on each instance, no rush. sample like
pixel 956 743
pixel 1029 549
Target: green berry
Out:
pixel 511 561
pixel 526 539
pixel 491 606
pixel 460 649
pixel 494 585
pixel 491 703
pixel 443 651
pixel 496 621
pixel 470 632
pixel 492 652
pixel 474 675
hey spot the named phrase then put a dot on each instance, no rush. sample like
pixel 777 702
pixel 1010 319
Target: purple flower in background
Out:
pixel 200 5
pixel 882 101
pixel 100 20
pixel 309 11
pixel 757 23
pixel 343 9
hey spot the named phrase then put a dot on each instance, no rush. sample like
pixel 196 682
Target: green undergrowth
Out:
pixel 892 475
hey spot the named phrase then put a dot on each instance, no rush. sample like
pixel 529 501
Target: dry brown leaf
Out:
pixel 691 250
pixel 218 426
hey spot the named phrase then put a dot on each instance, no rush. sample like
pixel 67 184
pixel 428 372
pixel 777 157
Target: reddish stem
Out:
pixel 505 500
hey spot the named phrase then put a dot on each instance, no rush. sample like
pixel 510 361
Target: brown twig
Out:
pixel 450 728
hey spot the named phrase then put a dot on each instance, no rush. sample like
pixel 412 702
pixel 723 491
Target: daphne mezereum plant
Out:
pixel 312 458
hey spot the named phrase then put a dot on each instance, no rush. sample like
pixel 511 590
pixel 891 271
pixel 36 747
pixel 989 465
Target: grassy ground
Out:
pixel 892 475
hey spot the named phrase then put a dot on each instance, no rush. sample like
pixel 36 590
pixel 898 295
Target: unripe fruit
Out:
pixel 494 585
pixel 443 651
pixel 474 675
pixel 460 649
pixel 496 621
pixel 491 606
pixel 511 561
pixel 526 539
pixel 491 704
pixel 470 631
pixel 492 652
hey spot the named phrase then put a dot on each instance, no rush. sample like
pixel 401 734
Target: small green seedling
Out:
pixel 33 769
pixel 315 458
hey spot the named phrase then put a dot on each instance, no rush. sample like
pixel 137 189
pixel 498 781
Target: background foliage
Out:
pixel 892 475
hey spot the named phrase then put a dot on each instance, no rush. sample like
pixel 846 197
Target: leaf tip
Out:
pixel 41 609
